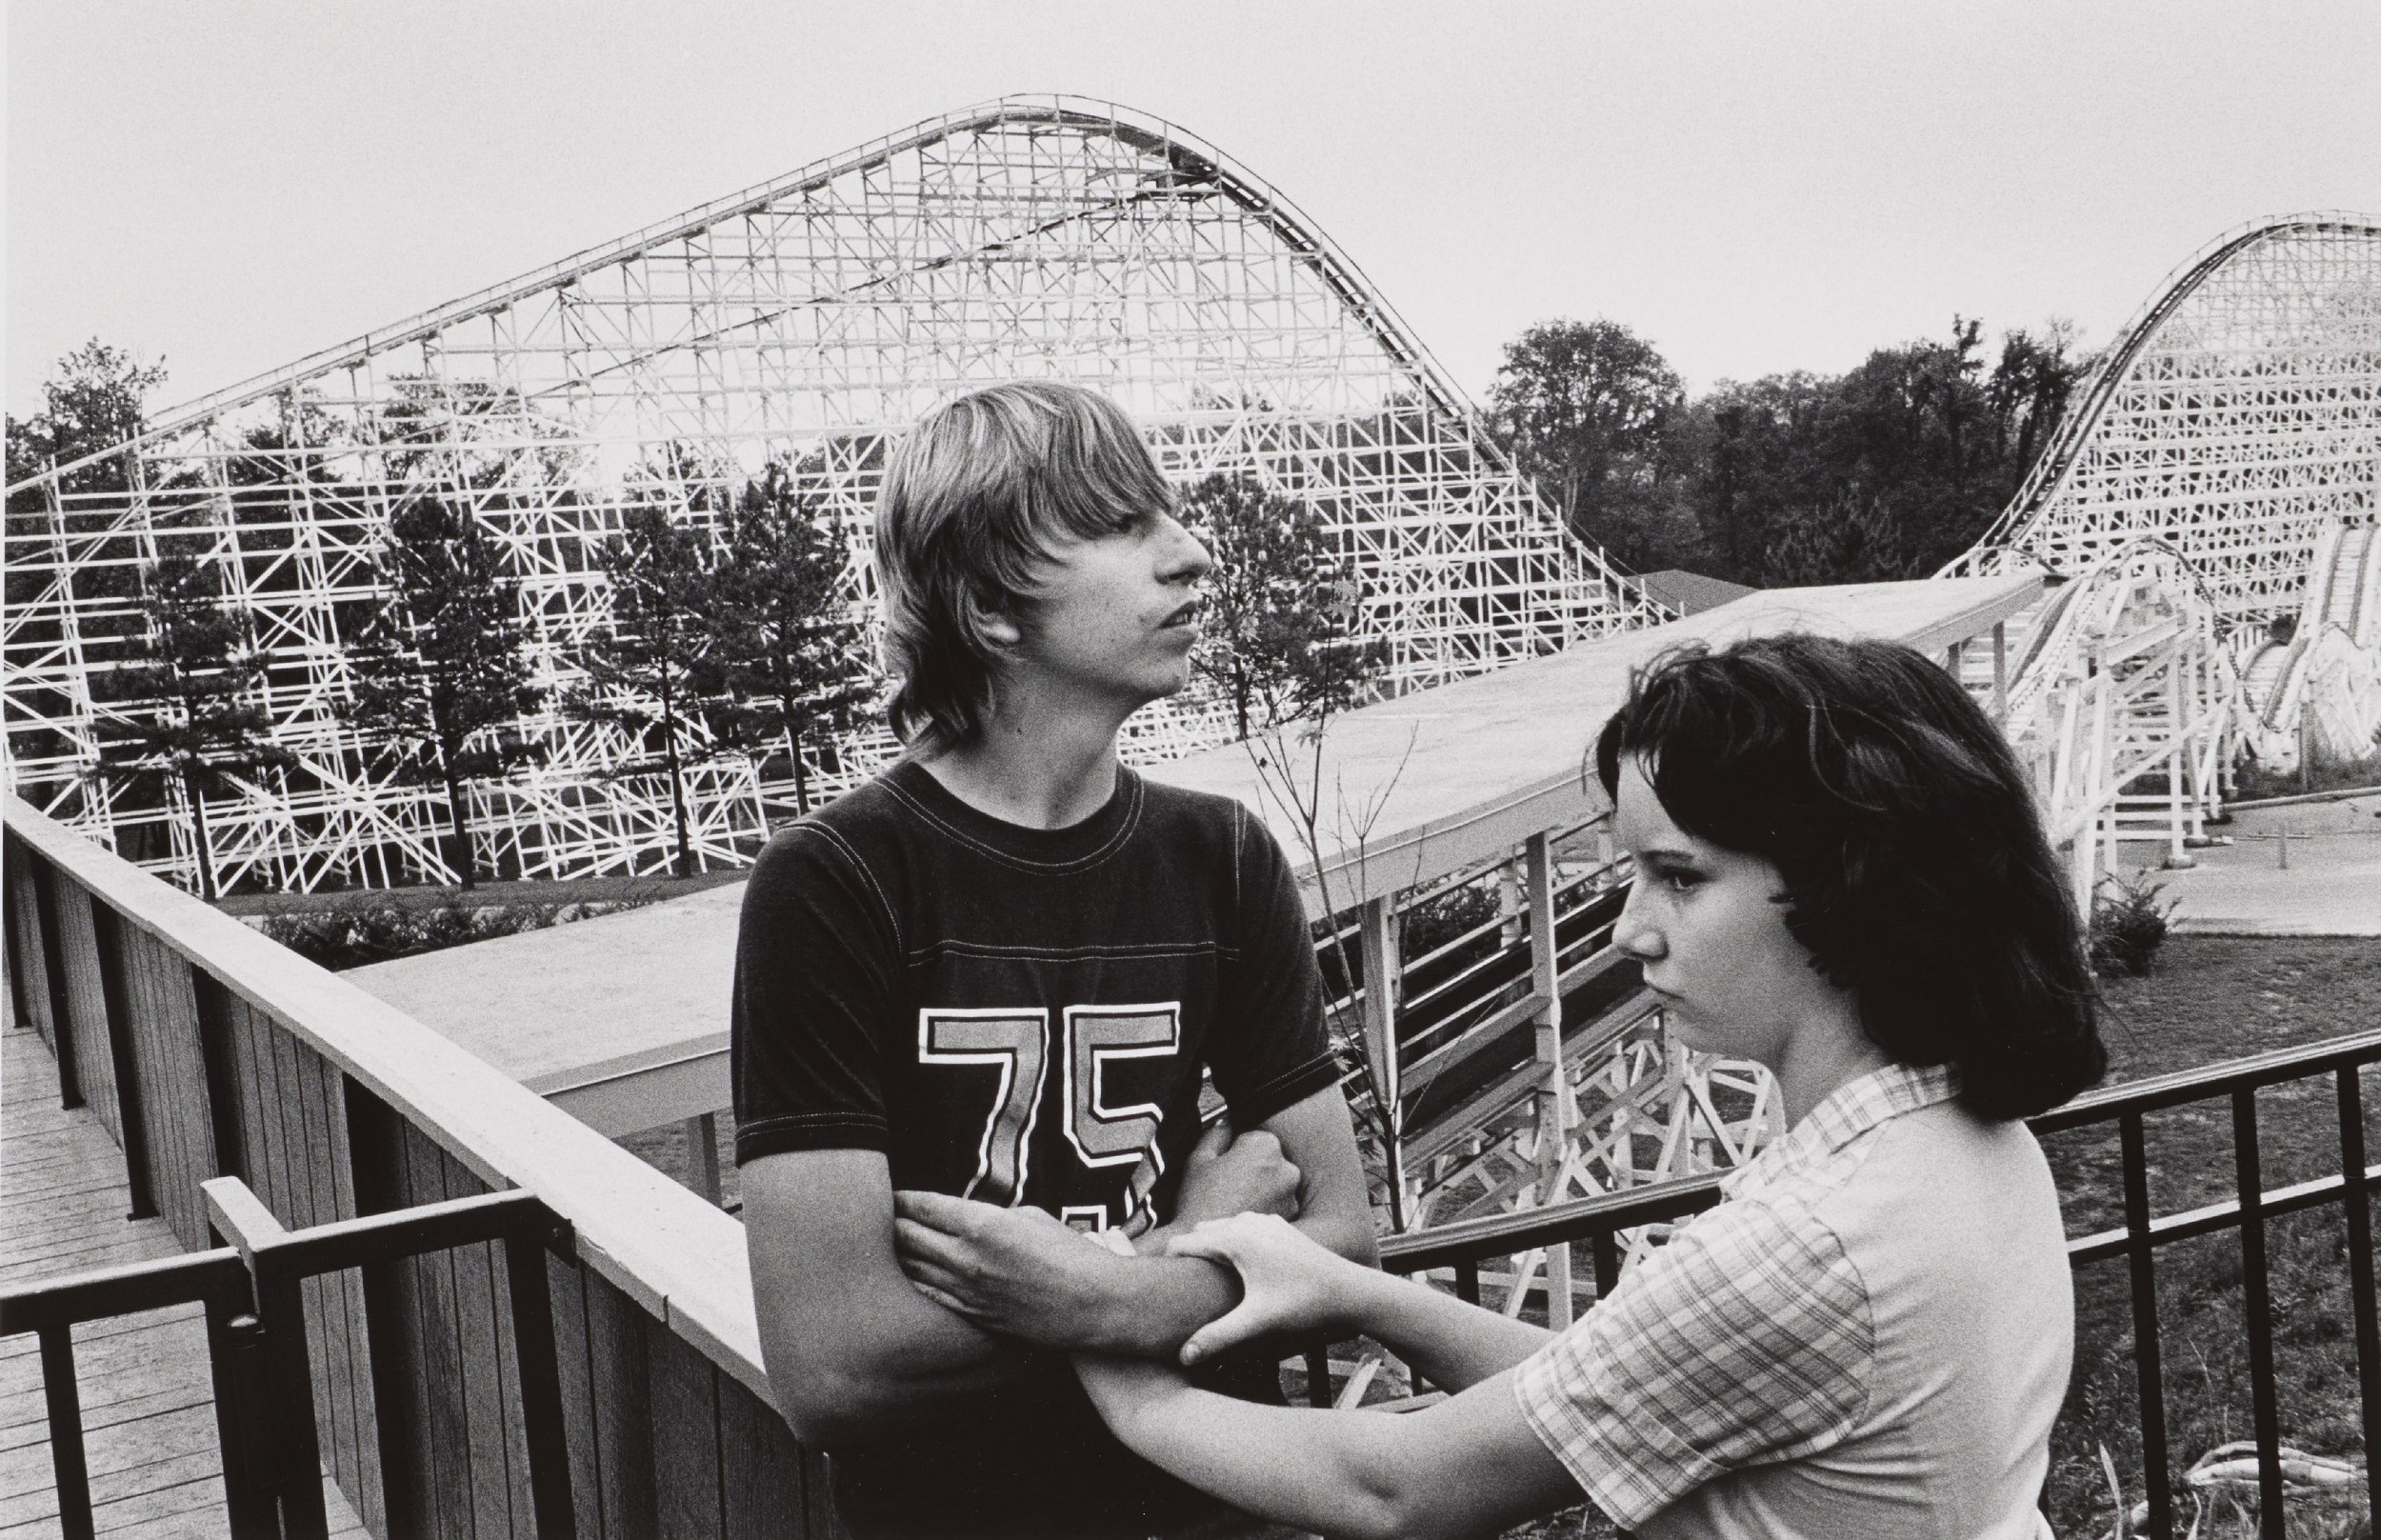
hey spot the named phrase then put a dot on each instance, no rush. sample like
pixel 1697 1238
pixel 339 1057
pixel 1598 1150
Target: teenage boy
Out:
pixel 990 980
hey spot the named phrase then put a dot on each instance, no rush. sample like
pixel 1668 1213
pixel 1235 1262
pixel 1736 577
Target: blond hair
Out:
pixel 969 504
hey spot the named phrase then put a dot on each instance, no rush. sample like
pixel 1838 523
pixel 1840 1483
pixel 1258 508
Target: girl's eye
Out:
pixel 1679 880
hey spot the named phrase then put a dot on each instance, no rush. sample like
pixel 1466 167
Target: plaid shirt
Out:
pixel 1747 1340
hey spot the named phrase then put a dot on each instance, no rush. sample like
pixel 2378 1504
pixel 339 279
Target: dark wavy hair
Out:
pixel 970 504
pixel 1916 867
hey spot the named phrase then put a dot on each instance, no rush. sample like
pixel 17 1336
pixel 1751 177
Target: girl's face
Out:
pixel 1708 928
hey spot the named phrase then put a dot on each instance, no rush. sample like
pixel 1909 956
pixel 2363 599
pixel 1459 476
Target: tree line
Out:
pixel 729 633
pixel 1887 471
pixel 730 630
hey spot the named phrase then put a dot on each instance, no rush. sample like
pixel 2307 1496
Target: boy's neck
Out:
pixel 1039 775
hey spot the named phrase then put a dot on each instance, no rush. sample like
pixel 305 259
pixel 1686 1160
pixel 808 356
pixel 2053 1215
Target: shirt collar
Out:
pixel 1852 1110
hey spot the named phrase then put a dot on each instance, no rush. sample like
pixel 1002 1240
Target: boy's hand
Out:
pixel 1288 1283
pixel 1226 1175
pixel 1017 1272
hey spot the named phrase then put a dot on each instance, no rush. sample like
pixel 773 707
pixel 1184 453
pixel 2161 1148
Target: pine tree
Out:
pixel 1277 634
pixel 649 675
pixel 190 685
pixel 791 657
pixel 442 669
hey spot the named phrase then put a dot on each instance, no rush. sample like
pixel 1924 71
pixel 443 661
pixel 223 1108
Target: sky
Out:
pixel 225 186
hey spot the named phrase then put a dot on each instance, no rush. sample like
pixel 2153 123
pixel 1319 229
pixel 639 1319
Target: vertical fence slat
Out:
pixel 29 977
pixel 492 1410
pixel 447 1428
pixel 101 957
pixel 616 1333
pixel 684 1402
pixel 400 1379
pixel 48 997
pixel 762 1481
pixel 568 1283
pixel 2257 1306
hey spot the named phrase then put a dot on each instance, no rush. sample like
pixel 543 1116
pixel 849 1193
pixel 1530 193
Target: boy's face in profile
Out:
pixel 1115 616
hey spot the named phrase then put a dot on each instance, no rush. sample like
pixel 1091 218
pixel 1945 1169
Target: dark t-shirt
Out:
pixel 1020 1016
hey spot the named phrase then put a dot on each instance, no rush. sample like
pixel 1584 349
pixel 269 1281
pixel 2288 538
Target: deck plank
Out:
pixel 149 1418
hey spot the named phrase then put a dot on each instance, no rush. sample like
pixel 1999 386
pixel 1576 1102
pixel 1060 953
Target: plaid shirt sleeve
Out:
pixel 1747 1340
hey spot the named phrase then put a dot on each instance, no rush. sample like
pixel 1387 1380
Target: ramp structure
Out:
pixel 2236 416
pixel 2211 498
pixel 803 323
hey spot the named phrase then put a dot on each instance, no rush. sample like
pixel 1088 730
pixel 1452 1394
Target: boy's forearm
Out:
pixel 1172 1296
pixel 897 1369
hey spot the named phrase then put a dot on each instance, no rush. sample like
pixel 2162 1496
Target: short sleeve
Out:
pixel 1747 1340
pixel 817 953
pixel 1269 1049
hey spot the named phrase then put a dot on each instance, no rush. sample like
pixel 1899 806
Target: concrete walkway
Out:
pixel 2332 887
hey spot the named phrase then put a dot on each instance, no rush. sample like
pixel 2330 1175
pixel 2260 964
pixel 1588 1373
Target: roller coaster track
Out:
pixel 805 321
pixel 2321 689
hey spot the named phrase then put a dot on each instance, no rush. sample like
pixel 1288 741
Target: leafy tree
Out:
pixel 191 683
pixel 651 673
pixel 92 401
pixel 1884 472
pixel 1277 639
pixel 442 669
pixel 791 657
pixel 1587 411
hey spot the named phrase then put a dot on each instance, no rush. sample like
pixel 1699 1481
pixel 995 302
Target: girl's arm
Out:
pixel 1470 1465
pixel 1290 1284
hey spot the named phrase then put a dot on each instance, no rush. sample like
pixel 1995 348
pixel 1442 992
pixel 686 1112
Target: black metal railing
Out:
pixel 263 1382
pixel 1601 1221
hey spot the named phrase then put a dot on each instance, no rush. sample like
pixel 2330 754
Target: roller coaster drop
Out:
pixel 2220 473
pixel 800 322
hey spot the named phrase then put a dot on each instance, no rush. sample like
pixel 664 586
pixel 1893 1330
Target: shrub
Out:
pixel 2129 924
pixel 353 936
pixel 2253 780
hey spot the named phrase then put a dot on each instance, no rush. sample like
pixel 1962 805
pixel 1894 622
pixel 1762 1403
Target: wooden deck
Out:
pixel 148 1410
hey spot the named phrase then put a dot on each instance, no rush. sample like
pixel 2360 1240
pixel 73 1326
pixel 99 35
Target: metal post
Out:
pixel 2257 1311
pixel 1553 1112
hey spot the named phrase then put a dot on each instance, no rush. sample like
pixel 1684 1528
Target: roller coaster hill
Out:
pixel 2190 573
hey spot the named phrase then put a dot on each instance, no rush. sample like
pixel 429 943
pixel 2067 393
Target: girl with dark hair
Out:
pixel 1840 874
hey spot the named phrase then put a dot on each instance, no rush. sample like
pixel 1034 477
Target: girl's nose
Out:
pixel 1633 932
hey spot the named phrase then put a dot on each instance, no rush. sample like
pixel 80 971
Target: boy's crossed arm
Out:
pixel 1021 1273
pixel 852 1345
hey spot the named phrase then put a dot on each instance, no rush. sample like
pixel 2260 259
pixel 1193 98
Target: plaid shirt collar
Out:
pixel 1851 1111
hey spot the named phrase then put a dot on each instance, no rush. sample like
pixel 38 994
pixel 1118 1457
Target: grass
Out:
pixel 2214 998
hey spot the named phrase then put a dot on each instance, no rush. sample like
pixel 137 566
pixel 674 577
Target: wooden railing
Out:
pixel 208 1050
